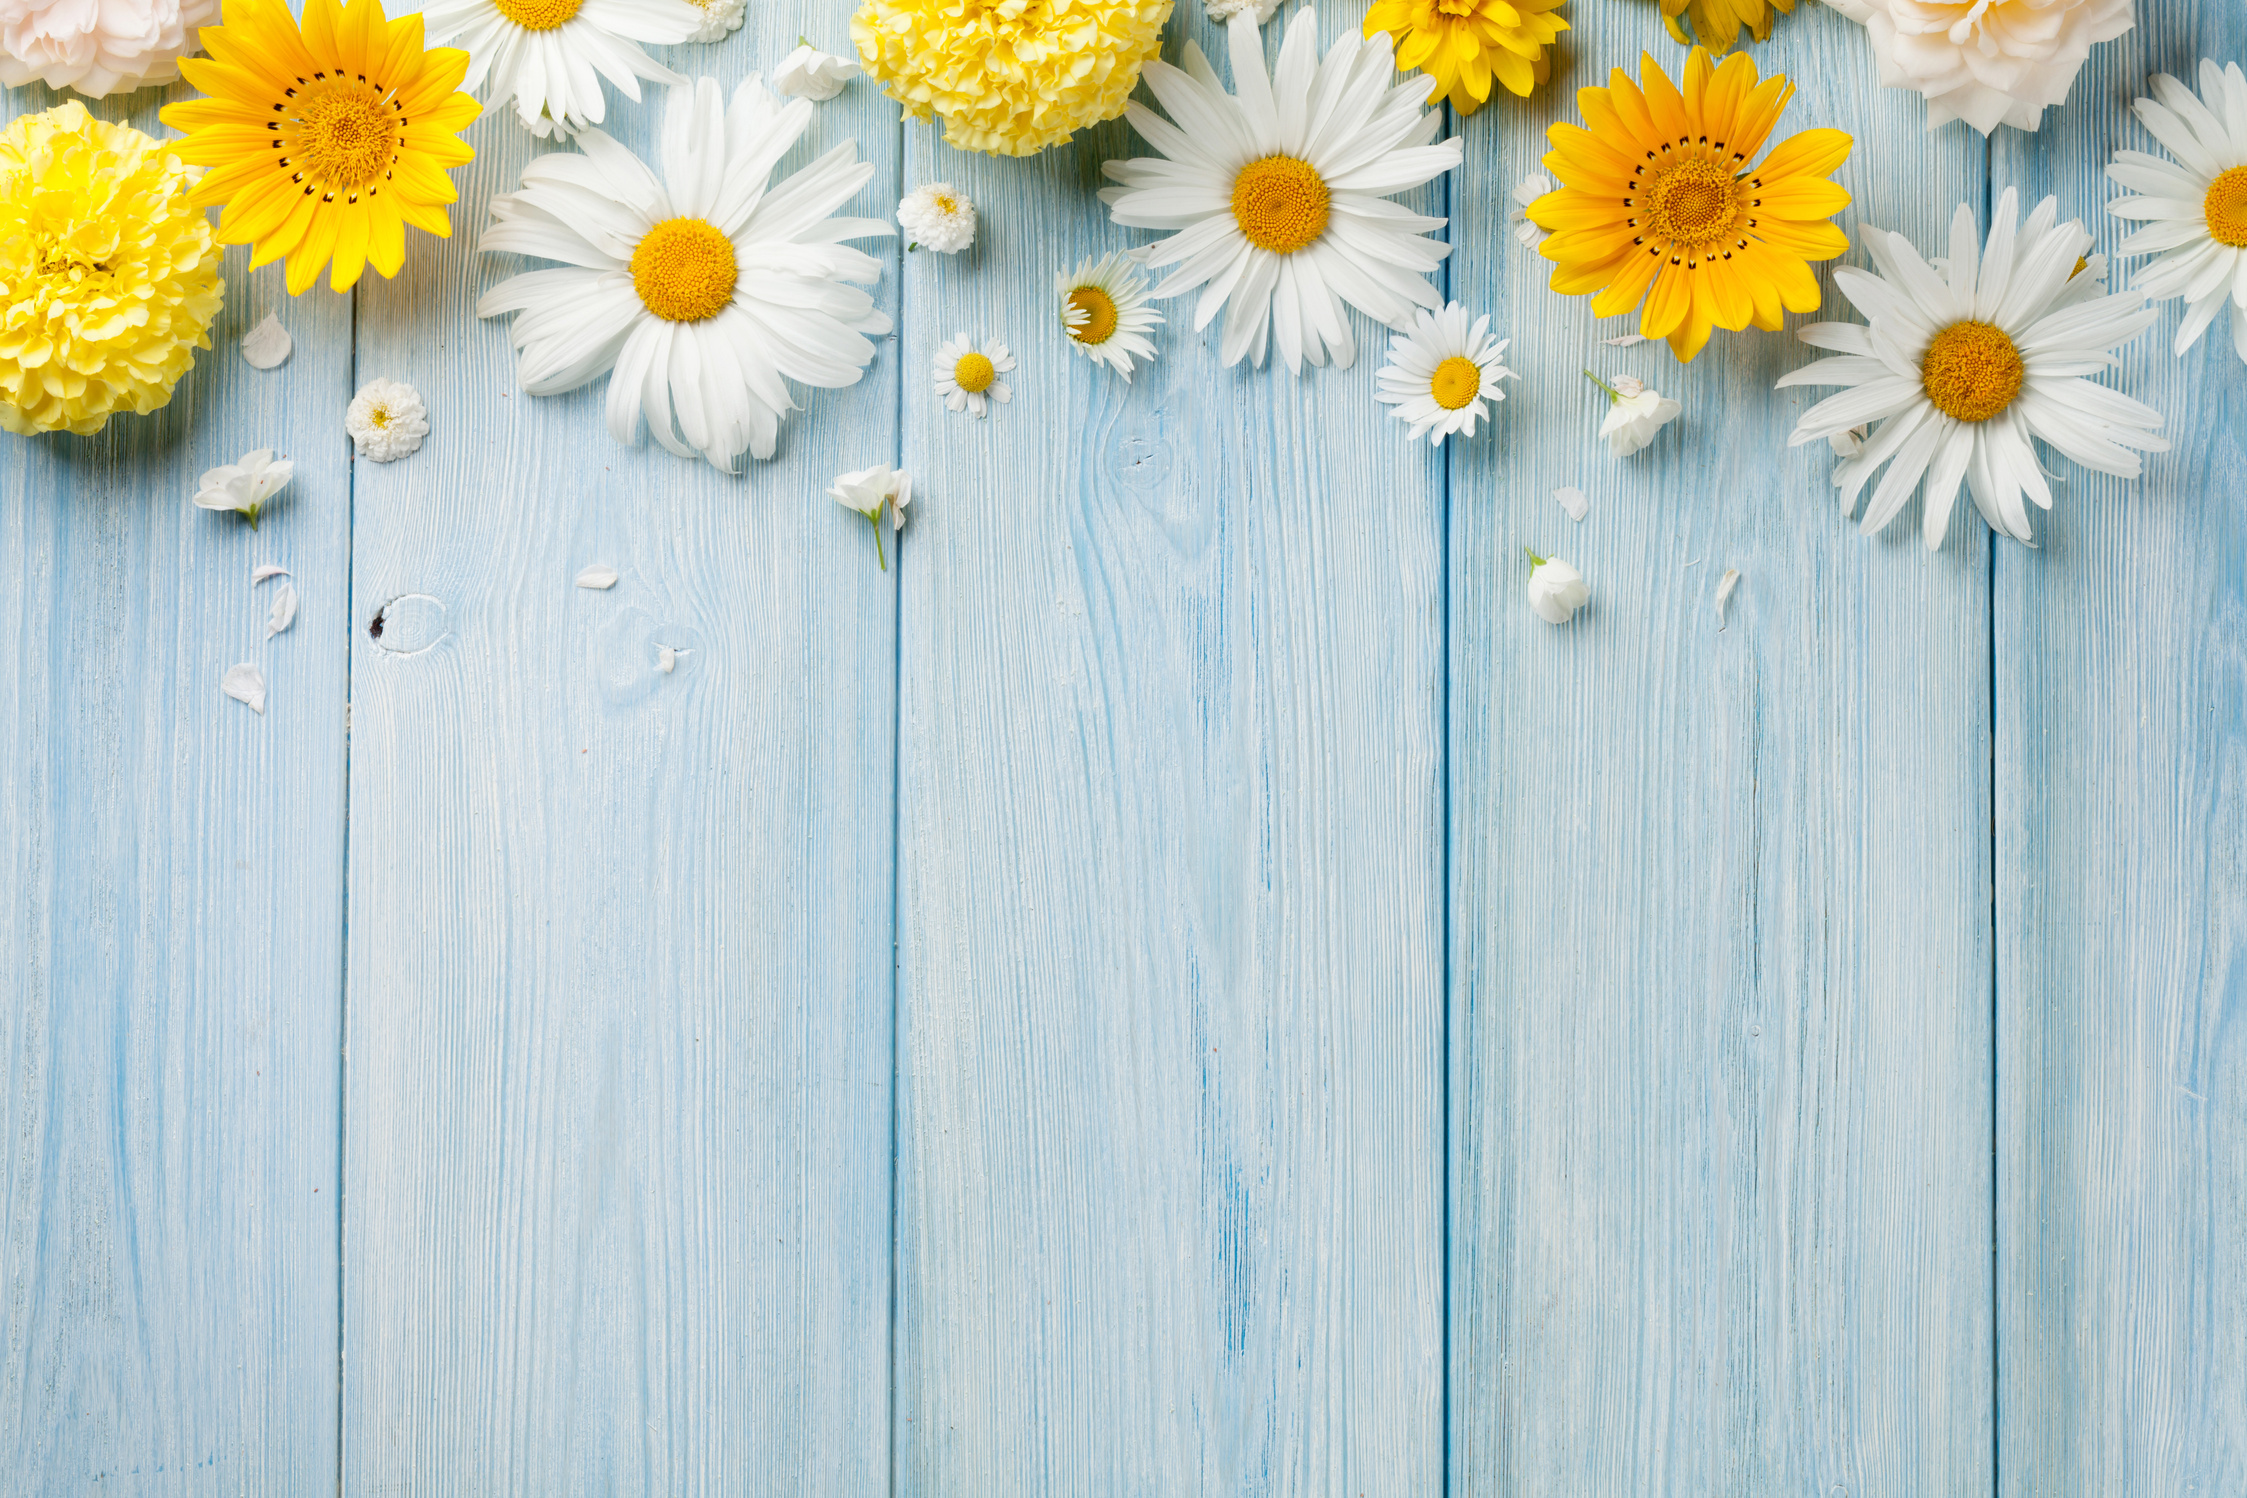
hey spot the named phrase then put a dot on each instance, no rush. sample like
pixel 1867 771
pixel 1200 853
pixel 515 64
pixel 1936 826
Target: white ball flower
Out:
pixel 935 217
pixel 387 420
pixel 808 73
pixel 1556 590
pixel 99 47
pixel 1987 62
pixel 1222 11
pixel 1636 415
pixel 244 486
pixel 720 19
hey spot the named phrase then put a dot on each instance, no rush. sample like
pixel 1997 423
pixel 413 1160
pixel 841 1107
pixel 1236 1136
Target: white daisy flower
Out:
pixel 1528 233
pixel 549 56
pixel 244 486
pixel 808 73
pixel 968 377
pixel 937 218
pixel 1440 373
pixel 1280 191
pixel 386 420
pixel 720 19
pixel 704 291
pixel 2196 206
pixel 1105 313
pixel 1959 372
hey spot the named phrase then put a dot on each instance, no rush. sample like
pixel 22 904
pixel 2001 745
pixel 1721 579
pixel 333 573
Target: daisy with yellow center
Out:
pixel 324 142
pixel 1717 23
pixel 549 56
pixel 1659 203
pixel 1440 374
pixel 2193 208
pixel 968 377
pixel 1467 46
pixel 1970 360
pixel 1104 311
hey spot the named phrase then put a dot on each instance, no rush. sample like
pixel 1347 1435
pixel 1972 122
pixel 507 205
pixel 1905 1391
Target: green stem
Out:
pixel 1612 393
pixel 1534 559
pixel 874 519
pixel 251 513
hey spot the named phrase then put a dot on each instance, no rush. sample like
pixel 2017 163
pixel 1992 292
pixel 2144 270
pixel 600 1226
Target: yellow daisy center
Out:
pixel 1099 311
pixel 2226 208
pixel 684 270
pixel 1457 381
pixel 538 15
pixel 1280 203
pixel 1972 371
pixel 1692 203
pixel 973 373
pixel 342 135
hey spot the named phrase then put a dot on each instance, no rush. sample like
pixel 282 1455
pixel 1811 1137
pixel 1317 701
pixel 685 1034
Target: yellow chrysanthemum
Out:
pixel 1465 44
pixel 1717 23
pixel 109 277
pixel 1010 77
pixel 1659 202
pixel 324 142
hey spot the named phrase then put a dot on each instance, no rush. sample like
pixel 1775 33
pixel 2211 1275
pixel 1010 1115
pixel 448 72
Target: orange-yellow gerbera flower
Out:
pixel 324 142
pixel 1465 44
pixel 1659 202
pixel 1717 23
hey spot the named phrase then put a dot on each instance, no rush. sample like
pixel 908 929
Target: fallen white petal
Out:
pixel 1625 341
pixel 1573 501
pixel 284 610
pixel 245 684
pixel 267 571
pixel 599 575
pixel 1724 587
pixel 267 344
pixel 666 660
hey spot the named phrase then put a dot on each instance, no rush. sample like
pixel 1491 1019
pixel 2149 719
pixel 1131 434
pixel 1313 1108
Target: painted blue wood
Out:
pixel 171 929
pixel 619 1081
pixel 2122 895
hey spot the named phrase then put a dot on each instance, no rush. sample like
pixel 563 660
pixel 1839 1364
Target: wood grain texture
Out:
pixel 620 972
pixel 1721 931
pixel 2122 892
pixel 1170 860
pixel 171 907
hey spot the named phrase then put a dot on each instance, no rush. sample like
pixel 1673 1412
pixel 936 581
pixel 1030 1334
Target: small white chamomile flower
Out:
pixel 937 218
pixel 2194 209
pixel 808 73
pixel 1440 373
pixel 720 19
pixel 968 377
pixel 386 420
pixel 1527 191
pixel 549 56
pixel 865 491
pixel 244 486
pixel 1105 313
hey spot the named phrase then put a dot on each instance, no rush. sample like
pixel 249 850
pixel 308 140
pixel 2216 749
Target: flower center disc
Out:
pixel 1693 204
pixel 1972 371
pixel 1457 381
pixel 2226 208
pixel 1280 203
pixel 684 270
pixel 538 15
pixel 1099 311
pixel 973 373
pixel 344 135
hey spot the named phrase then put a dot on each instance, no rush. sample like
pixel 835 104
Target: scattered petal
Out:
pixel 1628 340
pixel 283 612
pixel 268 344
pixel 666 659
pixel 1573 501
pixel 599 575
pixel 1850 443
pixel 267 573
pixel 245 684
pixel 1724 587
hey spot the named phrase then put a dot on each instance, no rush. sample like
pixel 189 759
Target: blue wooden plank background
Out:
pixel 1181 984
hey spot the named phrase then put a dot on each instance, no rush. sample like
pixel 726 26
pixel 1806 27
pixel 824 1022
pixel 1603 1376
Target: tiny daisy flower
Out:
pixel 387 420
pixel 937 218
pixel 720 19
pixel 550 56
pixel 1105 313
pixel 1636 415
pixel 1556 590
pixel 2195 206
pixel 1440 373
pixel 968 377
pixel 1527 231
pixel 865 491
pixel 244 486
pixel 808 73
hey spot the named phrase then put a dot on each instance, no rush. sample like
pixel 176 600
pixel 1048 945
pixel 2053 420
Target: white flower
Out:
pixel 244 486
pixel 968 377
pixel 99 47
pixel 1635 415
pixel 1847 444
pixel 1104 311
pixel 720 19
pixel 1556 590
pixel 705 291
pixel 386 421
pixel 1987 62
pixel 866 490
pixel 808 73
pixel 549 56
pixel 1222 11
pixel 2195 206
pixel 1526 192
pixel 1440 373
pixel 1282 207
pixel 1958 373
pixel 935 217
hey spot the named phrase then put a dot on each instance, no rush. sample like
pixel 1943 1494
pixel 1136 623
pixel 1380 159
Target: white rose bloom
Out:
pixel 935 217
pixel 387 420
pixel 1987 62
pixel 808 73
pixel 1556 590
pixel 244 486
pixel 1636 415
pixel 99 47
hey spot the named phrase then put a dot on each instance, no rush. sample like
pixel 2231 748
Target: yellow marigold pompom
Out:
pixel 109 279
pixel 1466 45
pixel 1010 77
pixel 1717 23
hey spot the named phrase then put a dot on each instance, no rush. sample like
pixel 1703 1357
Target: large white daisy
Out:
pixel 1440 374
pixel 704 291
pixel 1961 370
pixel 549 56
pixel 2197 204
pixel 1281 190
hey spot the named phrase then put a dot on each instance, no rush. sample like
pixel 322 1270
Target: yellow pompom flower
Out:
pixel 1465 45
pixel 324 141
pixel 1010 77
pixel 109 277
pixel 1658 202
pixel 1717 23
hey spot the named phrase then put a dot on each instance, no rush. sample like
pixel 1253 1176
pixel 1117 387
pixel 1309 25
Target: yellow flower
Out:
pixel 1717 23
pixel 1658 202
pixel 325 142
pixel 1465 44
pixel 1010 77
pixel 109 278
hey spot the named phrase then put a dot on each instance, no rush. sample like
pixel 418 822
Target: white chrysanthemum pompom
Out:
pixel 935 217
pixel 1987 62
pixel 720 19
pixel 99 47
pixel 387 420
pixel 1222 11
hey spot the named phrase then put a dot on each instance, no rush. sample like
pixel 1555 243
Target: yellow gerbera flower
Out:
pixel 1658 202
pixel 109 278
pixel 1717 23
pixel 1465 44
pixel 324 142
